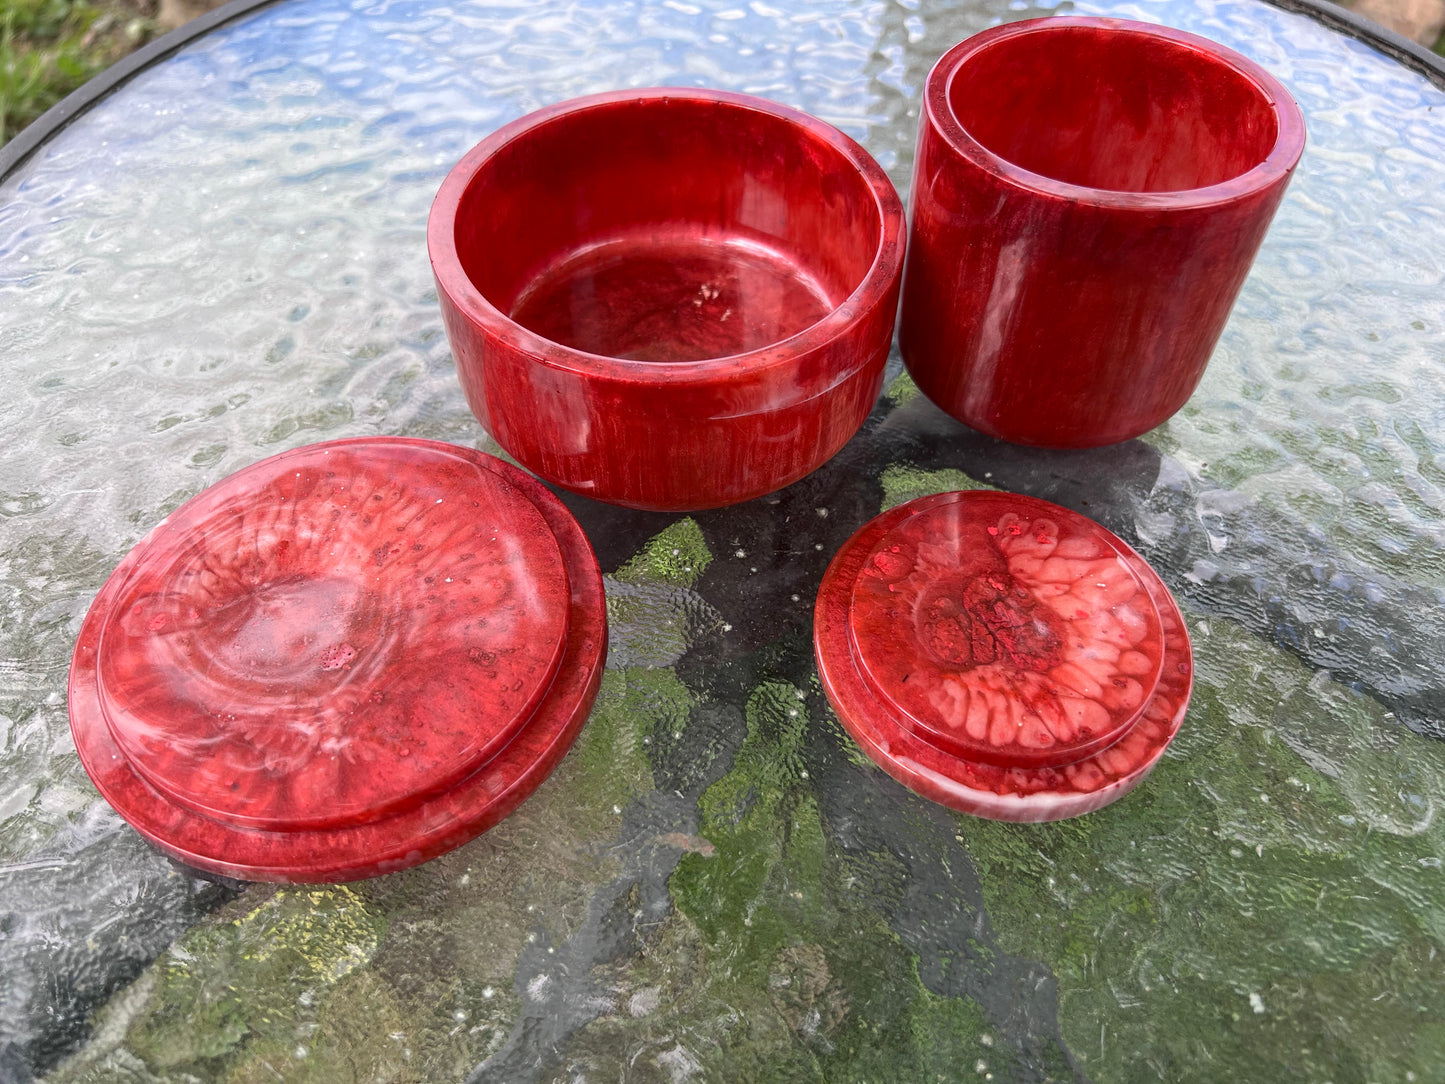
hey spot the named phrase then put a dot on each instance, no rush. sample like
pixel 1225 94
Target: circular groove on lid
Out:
pixel 330 635
pixel 1004 634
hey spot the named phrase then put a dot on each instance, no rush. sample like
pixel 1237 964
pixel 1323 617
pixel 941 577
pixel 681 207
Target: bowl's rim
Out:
pixel 1276 166
pixel 874 288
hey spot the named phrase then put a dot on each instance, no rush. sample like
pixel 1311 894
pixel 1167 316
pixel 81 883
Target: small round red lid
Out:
pixel 1002 655
pixel 340 661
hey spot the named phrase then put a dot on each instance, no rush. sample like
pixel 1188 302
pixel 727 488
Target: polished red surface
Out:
pixel 668 299
pixel 340 661
pixel 1088 197
pixel 1002 655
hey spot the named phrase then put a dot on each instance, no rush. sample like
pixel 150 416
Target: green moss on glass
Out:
pixel 1380 390
pixel 239 981
pixel 633 704
pixel 1270 894
pixel 851 749
pixel 902 482
pixel 902 390
pixel 805 959
pixel 1246 461
pixel 678 555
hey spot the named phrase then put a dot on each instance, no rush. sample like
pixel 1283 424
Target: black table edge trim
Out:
pixel 1396 46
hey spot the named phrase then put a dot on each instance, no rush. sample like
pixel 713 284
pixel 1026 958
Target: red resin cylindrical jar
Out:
pixel 1088 197
pixel 669 299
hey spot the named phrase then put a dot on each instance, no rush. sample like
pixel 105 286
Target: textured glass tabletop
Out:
pixel 226 258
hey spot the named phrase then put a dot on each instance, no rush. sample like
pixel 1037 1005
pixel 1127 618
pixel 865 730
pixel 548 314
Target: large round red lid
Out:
pixel 1002 655
pixel 340 661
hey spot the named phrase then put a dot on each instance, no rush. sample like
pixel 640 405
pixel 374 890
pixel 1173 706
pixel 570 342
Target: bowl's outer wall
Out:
pixel 746 431
pixel 1065 322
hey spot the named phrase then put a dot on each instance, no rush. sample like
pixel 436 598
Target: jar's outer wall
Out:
pixel 1050 320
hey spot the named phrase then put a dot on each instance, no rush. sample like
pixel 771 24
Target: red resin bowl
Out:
pixel 668 299
pixel 1088 197
pixel 1002 655
pixel 340 661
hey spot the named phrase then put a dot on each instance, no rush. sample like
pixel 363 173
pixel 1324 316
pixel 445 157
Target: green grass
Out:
pixel 49 47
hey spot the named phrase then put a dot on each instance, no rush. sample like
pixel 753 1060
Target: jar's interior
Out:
pixel 667 229
pixel 1111 109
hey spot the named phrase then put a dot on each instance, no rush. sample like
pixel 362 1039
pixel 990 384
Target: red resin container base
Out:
pixel 1002 655
pixel 340 661
pixel 1088 197
pixel 669 298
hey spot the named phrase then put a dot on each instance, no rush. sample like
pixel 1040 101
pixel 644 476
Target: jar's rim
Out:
pixel 1271 171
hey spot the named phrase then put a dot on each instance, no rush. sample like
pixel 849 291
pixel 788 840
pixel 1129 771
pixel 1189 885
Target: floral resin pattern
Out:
pixel 1002 655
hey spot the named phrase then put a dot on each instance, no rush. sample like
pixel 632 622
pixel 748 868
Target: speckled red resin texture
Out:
pixel 669 299
pixel 1002 655
pixel 1088 197
pixel 340 661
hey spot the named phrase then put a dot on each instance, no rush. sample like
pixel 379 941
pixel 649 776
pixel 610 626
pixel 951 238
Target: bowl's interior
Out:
pixel 667 229
pixel 1113 109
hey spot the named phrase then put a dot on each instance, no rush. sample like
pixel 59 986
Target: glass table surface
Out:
pixel 226 258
